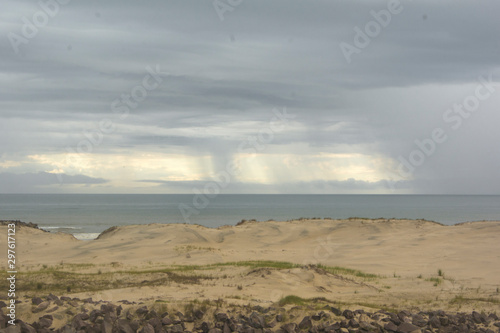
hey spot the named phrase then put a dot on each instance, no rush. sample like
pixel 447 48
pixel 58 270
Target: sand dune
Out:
pixel 407 247
pixel 405 254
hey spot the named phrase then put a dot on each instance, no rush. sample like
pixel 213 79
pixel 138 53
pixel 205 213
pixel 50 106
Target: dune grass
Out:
pixel 461 300
pixel 292 299
pixel 63 278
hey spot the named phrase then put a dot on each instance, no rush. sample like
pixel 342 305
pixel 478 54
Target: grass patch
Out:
pixel 292 299
pixel 63 278
pixel 461 300
pixel 336 270
pixel 437 281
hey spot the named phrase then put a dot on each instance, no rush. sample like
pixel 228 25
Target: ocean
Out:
pixel 87 215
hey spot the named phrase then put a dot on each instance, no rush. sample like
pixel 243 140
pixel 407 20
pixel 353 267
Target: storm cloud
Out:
pixel 159 96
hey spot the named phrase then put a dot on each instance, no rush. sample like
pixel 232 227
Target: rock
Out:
pixel 279 318
pixel 88 300
pixel 478 317
pixel 25 328
pixel 445 321
pixel 52 298
pixel 305 323
pixel 493 316
pixel 353 323
pixel 289 328
pixel 42 306
pixel 36 300
pixel 257 320
pixel 94 314
pixel 434 322
pixel 348 314
pixel 204 327
pixel 198 314
pixel 419 320
pixel 147 329
pixel 65 298
pixel 367 326
pixel 221 317
pixel 408 328
pixel 143 310
pixel 177 329
pixel 107 325
pixel 45 322
pixel 335 311
pixel 123 326
pixel 390 326
pixel 156 323
pixel 166 321
pixel 77 323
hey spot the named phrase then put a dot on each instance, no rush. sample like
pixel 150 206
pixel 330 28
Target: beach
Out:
pixel 380 264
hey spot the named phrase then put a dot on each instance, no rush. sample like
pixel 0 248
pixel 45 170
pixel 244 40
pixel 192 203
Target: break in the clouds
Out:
pixel 291 96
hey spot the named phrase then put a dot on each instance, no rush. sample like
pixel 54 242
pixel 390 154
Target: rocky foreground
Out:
pixel 129 317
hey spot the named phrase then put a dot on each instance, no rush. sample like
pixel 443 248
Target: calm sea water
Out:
pixel 86 215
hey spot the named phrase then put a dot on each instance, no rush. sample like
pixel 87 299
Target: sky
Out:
pixel 240 96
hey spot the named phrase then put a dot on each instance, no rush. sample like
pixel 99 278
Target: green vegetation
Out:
pixel 440 272
pixel 461 299
pixel 437 281
pixel 292 299
pixel 348 271
pixel 74 278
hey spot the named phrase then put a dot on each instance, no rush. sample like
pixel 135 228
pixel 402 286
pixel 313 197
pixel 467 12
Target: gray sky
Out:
pixel 250 96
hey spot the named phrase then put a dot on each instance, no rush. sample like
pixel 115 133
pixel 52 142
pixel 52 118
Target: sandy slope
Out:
pixel 399 250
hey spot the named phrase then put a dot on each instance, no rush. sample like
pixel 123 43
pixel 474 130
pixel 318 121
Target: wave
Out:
pixel 85 236
pixel 60 227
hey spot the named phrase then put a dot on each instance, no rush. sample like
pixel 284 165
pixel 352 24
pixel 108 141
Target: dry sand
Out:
pixel 406 256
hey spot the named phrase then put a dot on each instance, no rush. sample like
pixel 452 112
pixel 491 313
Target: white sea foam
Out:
pixel 59 227
pixel 85 236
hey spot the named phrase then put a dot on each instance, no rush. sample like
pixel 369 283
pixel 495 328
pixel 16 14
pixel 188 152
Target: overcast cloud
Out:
pixel 270 88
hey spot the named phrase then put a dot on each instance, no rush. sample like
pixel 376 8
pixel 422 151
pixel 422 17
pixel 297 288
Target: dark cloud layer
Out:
pixel 220 81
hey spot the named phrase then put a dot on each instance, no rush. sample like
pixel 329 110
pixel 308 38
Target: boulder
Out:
pixel 257 320
pixel 123 326
pixel 147 329
pixel 42 306
pixel 348 314
pixel 143 310
pixel 408 328
pixel 36 300
pixel 306 323
pixel 419 320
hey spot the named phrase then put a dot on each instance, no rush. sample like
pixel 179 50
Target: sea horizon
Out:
pixel 87 215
